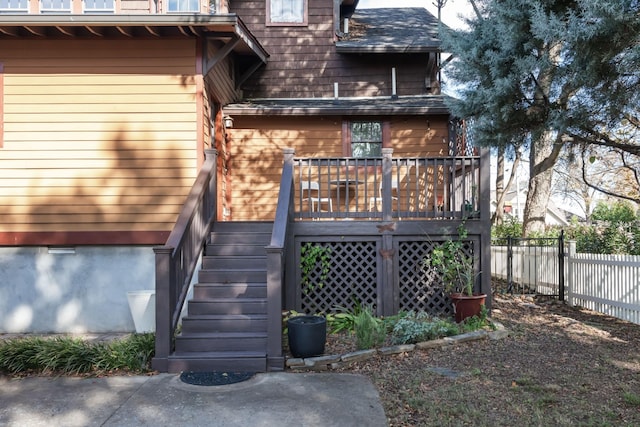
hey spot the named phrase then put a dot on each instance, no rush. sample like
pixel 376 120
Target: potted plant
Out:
pixel 455 267
pixel 307 334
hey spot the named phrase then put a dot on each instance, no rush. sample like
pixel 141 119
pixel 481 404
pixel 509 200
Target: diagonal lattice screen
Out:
pixel 420 289
pixel 352 278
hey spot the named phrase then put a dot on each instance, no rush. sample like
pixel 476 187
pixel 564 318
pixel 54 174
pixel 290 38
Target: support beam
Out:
pixel 67 31
pixel 125 31
pixel 36 31
pixel 248 72
pixel 220 54
pixel 94 31
pixel 153 31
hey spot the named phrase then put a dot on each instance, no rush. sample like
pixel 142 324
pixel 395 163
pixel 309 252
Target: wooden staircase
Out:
pixel 226 325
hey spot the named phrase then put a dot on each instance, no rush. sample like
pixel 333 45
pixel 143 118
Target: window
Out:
pixel 14 6
pixel 99 6
pixel 366 139
pixel 55 6
pixel 287 12
pixel 184 5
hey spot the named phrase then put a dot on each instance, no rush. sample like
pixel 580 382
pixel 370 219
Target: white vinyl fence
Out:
pixel 609 284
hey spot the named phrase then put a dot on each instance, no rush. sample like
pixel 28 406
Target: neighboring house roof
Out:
pixel 375 106
pixel 226 28
pixel 391 30
pixel 554 215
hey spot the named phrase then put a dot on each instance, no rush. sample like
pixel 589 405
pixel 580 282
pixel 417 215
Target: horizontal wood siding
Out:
pixel 256 153
pixel 220 78
pixel 99 136
pixel 303 61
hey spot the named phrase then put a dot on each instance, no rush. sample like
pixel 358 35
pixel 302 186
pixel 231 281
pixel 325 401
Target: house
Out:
pixel 514 202
pixel 136 134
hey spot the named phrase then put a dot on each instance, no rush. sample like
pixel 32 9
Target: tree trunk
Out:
pixel 499 213
pixel 543 155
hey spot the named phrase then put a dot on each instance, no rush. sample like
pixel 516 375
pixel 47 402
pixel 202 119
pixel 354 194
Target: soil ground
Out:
pixel 559 366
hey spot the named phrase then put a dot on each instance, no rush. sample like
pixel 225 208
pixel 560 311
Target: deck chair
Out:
pixel 310 191
pixel 375 200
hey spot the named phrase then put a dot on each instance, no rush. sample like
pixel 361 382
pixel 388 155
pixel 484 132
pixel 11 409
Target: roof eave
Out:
pixel 197 24
pixel 384 49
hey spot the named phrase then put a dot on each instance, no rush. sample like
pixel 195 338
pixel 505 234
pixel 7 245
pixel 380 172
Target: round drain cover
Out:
pixel 215 378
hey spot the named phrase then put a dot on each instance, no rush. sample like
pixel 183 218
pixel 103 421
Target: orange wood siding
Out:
pixel 99 135
pixel 256 153
pixel 303 61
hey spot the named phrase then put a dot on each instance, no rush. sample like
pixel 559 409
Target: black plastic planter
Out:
pixel 307 335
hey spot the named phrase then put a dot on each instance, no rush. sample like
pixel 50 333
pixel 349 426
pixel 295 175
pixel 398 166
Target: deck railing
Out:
pixel 177 260
pixel 387 187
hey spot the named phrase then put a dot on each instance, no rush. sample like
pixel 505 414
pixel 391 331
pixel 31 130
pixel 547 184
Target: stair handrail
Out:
pixel 177 260
pixel 276 258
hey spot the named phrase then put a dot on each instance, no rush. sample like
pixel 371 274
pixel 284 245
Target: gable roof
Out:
pixel 391 30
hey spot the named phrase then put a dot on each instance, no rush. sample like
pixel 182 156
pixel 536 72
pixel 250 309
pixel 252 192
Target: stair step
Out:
pixel 236 249
pixel 251 238
pixel 203 291
pixel 221 341
pixel 224 323
pixel 232 226
pixel 228 306
pixel 233 275
pixel 237 261
pixel 234 361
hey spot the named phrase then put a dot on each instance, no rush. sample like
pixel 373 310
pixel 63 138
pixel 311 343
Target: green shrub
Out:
pixel 68 355
pixel 414 328
pixel 510 227
pixel 132 354
pixel 370 331
pixel 344 318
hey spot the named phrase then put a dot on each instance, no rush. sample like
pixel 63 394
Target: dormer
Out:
pixel 391 31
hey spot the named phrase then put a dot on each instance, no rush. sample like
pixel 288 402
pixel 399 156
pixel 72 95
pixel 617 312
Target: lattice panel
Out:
pixel 420 289
pixel 352 279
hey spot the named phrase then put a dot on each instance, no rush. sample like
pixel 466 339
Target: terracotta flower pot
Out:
pixel 465 306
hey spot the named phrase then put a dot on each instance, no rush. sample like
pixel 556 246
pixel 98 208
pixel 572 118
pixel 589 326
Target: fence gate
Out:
pixel 530 265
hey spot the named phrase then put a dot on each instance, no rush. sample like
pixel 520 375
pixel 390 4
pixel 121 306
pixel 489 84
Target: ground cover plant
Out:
pixel 358 328
pixel 559 366
pixel 71 355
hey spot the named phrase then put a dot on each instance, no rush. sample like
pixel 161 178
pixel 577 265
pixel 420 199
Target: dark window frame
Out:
pixel 346 134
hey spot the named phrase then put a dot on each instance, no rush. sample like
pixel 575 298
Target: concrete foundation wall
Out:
pixel 72 291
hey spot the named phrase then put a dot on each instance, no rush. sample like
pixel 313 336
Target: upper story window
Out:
pixel 55 6
pixel 286 12
pixel 366 139
pixel 99 6
pixel 14 6
pixel 184 6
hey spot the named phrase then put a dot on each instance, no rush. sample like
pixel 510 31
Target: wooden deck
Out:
pixel 387 188
pixel 378 234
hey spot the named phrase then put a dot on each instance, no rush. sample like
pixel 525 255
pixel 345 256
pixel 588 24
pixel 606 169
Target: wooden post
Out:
pixel 387 251
pixel 212 197
pixel 485 224
pixel 276 264
pixel 387 167
pixel 164 276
